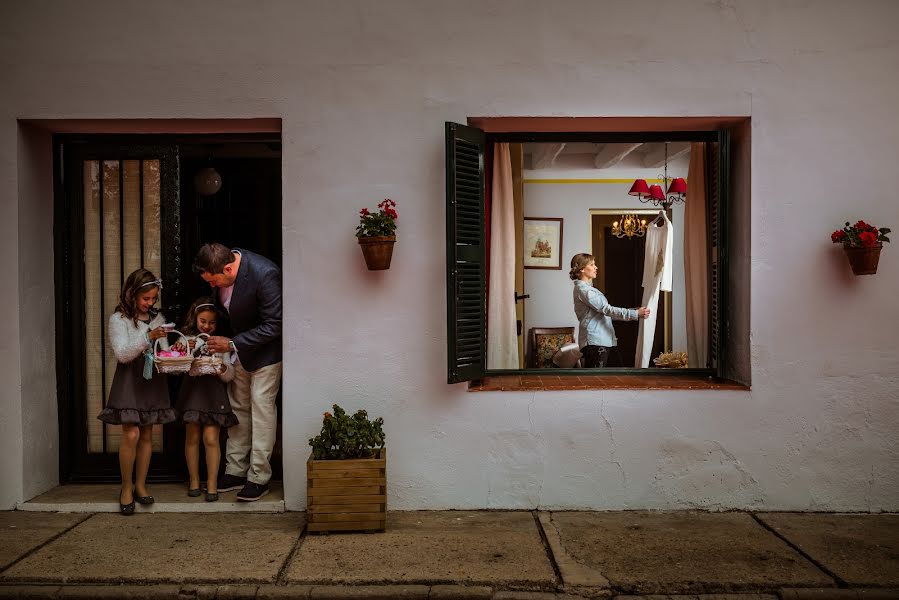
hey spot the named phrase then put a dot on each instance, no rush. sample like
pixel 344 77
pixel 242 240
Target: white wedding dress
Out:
pixel 657 276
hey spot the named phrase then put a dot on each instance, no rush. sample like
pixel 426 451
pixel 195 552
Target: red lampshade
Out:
pixel 678 186
pixel 656 193
pixel 639 188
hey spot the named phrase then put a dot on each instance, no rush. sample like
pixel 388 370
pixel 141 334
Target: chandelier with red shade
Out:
pixel 676 192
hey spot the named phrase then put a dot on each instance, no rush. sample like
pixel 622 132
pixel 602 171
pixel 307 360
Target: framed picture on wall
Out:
pixel 542 243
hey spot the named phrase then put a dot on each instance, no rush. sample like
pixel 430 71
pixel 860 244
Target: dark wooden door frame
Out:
pixel 76 465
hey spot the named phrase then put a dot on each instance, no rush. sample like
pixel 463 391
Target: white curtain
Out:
pixel 696 260
pixel 502 338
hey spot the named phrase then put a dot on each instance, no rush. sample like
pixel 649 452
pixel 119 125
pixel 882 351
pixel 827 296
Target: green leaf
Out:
pixel 344 436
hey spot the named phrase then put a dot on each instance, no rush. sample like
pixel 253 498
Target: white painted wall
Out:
pixel 369 84
pixel 550 304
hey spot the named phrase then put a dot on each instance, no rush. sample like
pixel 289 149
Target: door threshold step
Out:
pixel 170 498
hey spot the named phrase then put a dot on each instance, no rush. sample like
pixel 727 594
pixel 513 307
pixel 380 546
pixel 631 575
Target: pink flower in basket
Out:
pixel 171 354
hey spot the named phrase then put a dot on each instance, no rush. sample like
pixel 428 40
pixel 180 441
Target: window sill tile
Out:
pixel 531 383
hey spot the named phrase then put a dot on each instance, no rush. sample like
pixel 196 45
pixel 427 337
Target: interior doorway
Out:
pixel 620 267
pixel 126 201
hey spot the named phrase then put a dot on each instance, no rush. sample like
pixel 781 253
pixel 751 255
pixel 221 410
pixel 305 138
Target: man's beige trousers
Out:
pixel 250 443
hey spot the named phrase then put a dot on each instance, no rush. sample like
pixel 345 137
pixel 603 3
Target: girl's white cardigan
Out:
pixel 129 341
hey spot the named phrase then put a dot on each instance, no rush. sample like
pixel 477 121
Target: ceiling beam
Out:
pixel 656 158
pixel 612 154
pixel 545 155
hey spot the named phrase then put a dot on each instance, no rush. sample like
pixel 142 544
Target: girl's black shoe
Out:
pixel 144 500
pixel 212 496
pixel 195 493
pixel 125 509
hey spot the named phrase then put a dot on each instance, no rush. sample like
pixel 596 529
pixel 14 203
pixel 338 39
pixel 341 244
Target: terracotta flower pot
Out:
pixel 863 260
pixel 377 250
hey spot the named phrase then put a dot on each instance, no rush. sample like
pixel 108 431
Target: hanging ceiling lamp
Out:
pixel 677 189
pixel 629 226
pixel 207 181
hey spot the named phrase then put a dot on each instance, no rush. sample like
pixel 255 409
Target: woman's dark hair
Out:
pixel 204 303
pixel 139 281
pixel 578 262
pixel 212 258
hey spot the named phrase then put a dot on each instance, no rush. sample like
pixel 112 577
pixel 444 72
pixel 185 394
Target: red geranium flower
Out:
pixel 381 223
pixel 868 238
pixel 860 235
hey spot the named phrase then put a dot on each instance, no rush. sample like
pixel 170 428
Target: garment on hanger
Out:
pixel 657 276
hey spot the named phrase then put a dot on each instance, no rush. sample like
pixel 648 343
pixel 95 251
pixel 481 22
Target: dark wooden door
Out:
pixel 116 210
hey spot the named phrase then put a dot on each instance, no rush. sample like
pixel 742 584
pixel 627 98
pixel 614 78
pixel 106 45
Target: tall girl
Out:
pixel 134 402
pixel 203 402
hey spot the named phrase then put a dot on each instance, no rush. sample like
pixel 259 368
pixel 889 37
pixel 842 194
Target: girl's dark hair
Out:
pixel 139 281
pixel 578 262
pixel 189 327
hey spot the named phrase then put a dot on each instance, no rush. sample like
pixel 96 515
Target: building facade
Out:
pixel 360 92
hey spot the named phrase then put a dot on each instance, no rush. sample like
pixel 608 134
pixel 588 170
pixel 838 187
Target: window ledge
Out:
pixel 531 383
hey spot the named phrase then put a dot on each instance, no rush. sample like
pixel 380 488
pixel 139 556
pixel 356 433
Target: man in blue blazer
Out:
pixel 248 286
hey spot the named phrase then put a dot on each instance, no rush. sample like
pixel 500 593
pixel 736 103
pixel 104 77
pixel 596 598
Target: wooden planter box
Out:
pixel 347 495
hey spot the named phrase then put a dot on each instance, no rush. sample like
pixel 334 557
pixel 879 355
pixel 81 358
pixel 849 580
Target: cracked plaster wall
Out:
pixel 363 89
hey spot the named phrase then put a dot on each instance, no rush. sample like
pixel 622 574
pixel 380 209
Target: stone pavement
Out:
pixel 488 555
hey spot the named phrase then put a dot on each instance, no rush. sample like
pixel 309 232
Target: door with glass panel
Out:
pixel 117 210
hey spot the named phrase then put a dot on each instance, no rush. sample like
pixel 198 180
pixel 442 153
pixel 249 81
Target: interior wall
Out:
pixel 370 85
pixel 37 303
pixel 551 304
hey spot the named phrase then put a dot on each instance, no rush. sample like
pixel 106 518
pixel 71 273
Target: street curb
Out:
pixel 269 592
pixel 839 594
pixel 28 592
pixel 373 592
pixel 388 592
pixel 460 592
pixel 750 596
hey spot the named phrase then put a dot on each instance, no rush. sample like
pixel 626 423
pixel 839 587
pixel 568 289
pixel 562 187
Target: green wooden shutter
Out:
pixel 466 263
pixel 719 198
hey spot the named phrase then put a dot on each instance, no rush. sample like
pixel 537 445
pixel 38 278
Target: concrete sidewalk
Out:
pixel 452 555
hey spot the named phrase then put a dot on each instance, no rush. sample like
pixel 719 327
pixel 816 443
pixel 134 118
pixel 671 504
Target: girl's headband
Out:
pixel 199 306
pixel 156 282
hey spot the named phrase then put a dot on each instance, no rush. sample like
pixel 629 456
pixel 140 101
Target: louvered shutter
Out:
pixel 719 194
pixel 466 263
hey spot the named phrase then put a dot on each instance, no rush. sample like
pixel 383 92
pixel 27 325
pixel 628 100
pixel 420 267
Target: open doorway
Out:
pixel 620 265
pixel 129 201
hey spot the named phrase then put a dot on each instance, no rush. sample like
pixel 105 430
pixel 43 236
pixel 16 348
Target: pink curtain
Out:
pixel 696 260
pixel 502 335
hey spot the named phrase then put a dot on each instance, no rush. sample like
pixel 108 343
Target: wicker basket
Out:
pixel 172 364
pixel 671 360
pixel 205 364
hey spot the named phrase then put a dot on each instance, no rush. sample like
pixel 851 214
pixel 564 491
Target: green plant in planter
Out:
pixel 344 436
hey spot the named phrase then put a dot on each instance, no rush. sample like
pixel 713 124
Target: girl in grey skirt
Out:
pixel 203 402
pixel 134 402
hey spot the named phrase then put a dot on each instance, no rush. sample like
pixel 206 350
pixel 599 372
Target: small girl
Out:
pixel 134 402
pixel 203 402
pixel 596 334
